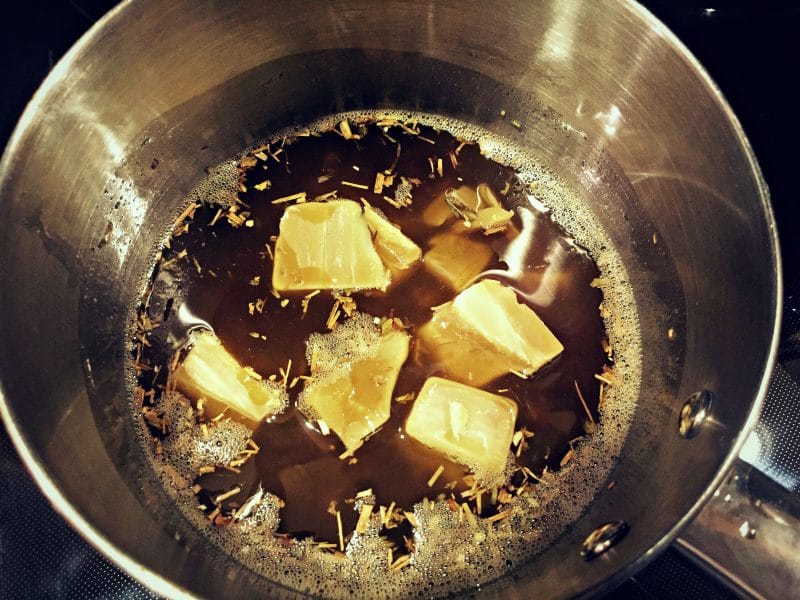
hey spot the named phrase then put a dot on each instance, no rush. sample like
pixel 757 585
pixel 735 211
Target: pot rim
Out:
pixel 30 458
pixel 715 93
pixel 161 585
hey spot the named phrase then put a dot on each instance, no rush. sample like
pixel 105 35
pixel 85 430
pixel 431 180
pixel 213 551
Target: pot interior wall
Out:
pixel 648 144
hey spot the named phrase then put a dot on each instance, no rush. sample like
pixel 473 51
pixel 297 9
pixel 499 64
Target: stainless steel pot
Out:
pixel 607 97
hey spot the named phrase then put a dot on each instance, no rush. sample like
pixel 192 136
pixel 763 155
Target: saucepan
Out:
pixel 600 92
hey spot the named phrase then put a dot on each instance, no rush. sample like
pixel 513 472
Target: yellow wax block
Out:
pixel 463 199
pixel 437 212
pixel 469 425
pixel 484 332
pixel 326 245
pixel 464 357
pixel 456 258
pixel 468 201
pixel 486 197
pixel 354 398
pixel 491 310
pixel 397 251
pixel 493 219
pixel 209 371
pixel 479 207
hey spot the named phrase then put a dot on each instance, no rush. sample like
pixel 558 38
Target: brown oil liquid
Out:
pixel 216 281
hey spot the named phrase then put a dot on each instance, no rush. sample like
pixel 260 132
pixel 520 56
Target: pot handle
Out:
pixel 748 535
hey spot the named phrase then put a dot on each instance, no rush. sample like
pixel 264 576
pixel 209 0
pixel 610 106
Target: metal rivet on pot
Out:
pixel 693 413
pixel 603 538
pixel 746 531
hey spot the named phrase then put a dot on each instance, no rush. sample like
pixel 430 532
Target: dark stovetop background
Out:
pixel 752 51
